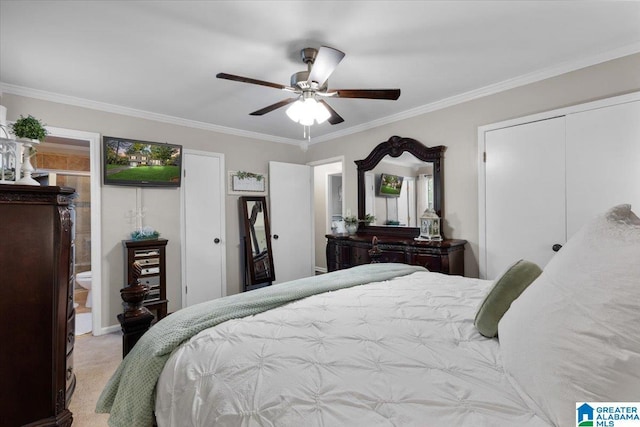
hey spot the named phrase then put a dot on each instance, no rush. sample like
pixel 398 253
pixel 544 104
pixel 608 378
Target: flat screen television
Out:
pixel 390 185
pixel 141 163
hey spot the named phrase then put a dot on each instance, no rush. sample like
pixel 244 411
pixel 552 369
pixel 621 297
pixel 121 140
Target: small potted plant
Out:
pixel 29 131
pixel 29 128
pixel 351 224
pixel 368 219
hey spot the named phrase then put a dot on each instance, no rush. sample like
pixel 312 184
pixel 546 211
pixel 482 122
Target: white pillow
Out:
pixel 574 333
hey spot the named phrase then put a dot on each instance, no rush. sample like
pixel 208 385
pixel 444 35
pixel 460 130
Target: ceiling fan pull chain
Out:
pixel 306 135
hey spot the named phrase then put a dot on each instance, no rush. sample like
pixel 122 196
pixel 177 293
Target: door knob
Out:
pixel 275 236
pixel 216 240
pixel 556 247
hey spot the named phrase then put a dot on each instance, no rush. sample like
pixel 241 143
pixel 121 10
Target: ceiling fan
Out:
pixel 311 86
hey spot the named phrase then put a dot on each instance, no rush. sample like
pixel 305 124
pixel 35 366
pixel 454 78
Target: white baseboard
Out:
pixel 108 330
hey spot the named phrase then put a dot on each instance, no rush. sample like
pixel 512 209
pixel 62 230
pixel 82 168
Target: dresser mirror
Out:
pixel 394 170
pixel 256 237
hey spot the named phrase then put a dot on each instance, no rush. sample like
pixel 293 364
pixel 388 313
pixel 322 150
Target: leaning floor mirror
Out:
pixel 256 239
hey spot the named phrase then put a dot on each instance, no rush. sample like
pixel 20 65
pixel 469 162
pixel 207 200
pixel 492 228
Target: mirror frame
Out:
pixel 250 281
pixel 394 147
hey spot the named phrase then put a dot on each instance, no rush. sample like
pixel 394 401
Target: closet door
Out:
pixel 524 193
pixel 203 235
pixel 603 161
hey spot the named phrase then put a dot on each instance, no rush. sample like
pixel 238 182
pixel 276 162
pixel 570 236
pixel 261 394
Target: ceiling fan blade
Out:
pixel 325 63
pixel 249 80
pixel 335 117
pixel 391 94
pixel 272 107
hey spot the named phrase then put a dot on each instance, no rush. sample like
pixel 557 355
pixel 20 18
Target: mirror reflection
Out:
pixel 399 190
pixel 257 242
pixel 397 182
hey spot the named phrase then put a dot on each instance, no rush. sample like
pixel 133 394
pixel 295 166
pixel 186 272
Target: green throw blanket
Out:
pixel 130 393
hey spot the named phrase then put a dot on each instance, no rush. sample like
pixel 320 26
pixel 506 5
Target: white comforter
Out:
pixel 397 353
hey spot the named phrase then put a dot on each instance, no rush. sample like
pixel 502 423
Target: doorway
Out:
pixel 71 158
pixel 329 204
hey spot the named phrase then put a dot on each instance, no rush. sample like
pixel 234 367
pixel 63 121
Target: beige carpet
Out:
pixel 95 359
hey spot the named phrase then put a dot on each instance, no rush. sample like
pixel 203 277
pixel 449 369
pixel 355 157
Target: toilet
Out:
pixel 84 280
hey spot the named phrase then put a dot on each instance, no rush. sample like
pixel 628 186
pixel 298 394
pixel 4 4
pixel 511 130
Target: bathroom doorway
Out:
pixel 71 158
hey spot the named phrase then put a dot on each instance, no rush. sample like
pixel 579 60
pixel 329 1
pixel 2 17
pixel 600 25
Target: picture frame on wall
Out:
pixel 246 183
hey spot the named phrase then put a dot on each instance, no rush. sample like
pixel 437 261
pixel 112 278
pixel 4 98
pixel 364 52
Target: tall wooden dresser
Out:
pixel 37 318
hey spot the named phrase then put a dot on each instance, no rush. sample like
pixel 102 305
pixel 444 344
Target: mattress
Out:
pixel 402 352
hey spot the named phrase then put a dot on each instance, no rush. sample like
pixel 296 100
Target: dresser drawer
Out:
pixel 359 256
pixel 393 256
pixel 69 304
pixel 148 262
pixel 147 252
pixel 70 374
pixel 430 262
pixel 151 282
pixel 150 270
pixel 71 332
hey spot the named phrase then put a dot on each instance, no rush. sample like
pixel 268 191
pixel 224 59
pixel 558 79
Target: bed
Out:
pixel 396 345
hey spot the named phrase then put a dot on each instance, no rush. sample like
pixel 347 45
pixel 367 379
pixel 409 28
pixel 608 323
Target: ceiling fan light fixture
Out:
pixel 311 86
pixel 322 114
pixel 307 111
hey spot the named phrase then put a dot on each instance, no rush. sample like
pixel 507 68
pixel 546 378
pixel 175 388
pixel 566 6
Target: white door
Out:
pixel 203 235
pixel 291 216
pixel 603 162
pixel 524 193
pixel 407 210
pixel 334 199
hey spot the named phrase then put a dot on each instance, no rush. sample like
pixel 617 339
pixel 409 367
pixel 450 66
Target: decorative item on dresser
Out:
pixel 396 243
pixel 37 318
pixel 150 255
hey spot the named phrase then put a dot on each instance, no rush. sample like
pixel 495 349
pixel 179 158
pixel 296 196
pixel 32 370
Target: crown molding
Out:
pixel 492 89
pixel 529 78
pixel 126 111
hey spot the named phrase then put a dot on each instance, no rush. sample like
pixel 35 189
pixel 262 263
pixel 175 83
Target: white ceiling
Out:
pixel 159 59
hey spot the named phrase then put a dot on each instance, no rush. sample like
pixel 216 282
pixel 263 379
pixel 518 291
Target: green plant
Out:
pixel 368 219
pixel 29 127
pixel 244 175
pixel 145 233
pixel 350 220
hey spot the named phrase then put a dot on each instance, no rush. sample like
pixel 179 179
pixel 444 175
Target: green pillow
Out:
pixel 505 290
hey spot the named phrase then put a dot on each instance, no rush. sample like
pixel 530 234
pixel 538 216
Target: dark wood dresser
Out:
pixel 37 318
pixel 345 251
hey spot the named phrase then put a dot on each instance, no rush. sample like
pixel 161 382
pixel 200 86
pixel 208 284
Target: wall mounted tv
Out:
pixel 390 185
pixel 141 163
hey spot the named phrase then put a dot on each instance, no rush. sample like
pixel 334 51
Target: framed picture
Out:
pixel 246 183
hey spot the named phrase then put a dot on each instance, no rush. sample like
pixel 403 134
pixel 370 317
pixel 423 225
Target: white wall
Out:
pixel 456 128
